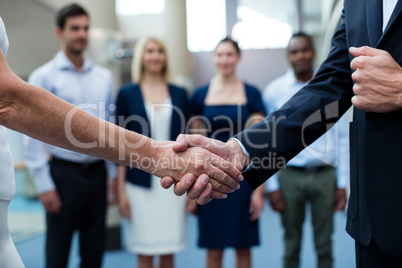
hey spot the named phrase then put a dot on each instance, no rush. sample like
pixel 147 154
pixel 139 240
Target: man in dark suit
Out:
pixel 363 69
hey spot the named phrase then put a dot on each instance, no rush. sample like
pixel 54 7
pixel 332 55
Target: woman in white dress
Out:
pixel 37 113
pixel 8 254
pixel 156 217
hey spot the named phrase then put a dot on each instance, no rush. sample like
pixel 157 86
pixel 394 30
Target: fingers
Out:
pixel 340 200
pixel 364 51
pixel 228 174
pixel 204 198
pixel 53 207
pixel 51 202
pixel 185 184
pixel 167 182
pixel 125 210
pixel 198 187
pixel 181 144
pixel 255 210
pixel 220 187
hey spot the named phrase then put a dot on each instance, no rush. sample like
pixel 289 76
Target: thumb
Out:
pixel 185 141
pixel 181 144
pixel 364 51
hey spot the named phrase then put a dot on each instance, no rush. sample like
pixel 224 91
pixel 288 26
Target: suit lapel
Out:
pixel 374 21
pixel 397 11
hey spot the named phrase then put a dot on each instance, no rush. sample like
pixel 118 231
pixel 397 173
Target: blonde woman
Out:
pixel 153 107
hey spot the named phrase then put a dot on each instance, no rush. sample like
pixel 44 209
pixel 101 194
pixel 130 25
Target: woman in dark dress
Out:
pixel 220 109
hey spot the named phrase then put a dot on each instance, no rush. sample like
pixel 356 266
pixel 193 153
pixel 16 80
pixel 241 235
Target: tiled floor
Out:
pixel 27 223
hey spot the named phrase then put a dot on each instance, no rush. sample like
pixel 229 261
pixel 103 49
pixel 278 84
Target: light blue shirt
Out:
pixel 330 149
pixel 91 89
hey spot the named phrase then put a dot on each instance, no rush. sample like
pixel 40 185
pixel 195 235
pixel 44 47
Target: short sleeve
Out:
pixel 254 99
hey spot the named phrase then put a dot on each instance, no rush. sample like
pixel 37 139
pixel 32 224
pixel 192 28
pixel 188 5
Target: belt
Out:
pixel 89 165
pixel 310 169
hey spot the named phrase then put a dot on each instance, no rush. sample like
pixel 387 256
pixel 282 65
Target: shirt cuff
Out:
pixel 244 152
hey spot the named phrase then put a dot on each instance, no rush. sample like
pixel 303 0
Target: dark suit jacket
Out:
pixel 375 205
pixel 130 103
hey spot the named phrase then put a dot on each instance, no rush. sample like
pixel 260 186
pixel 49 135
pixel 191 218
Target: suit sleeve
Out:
pixel 304 118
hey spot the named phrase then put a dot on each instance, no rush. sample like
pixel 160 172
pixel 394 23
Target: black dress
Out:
pixel 226 222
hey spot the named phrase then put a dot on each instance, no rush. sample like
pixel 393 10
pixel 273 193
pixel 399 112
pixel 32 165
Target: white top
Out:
pixel 158 219
pixel 7 184
pixel 91 88
pixel 160 119
pixel 323 151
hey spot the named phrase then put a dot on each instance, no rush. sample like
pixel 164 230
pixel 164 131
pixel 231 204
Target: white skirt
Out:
pixel 158 220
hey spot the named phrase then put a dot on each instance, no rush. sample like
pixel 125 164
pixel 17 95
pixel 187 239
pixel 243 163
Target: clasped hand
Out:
pixel 217 174
pixel 378 80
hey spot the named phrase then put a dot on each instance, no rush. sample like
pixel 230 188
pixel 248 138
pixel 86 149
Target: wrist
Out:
pixel 242 160
pixel 399 99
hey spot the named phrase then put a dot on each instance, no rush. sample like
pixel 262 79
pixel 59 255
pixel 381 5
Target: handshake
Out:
pixel 213 168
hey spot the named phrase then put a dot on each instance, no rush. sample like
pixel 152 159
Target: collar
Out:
pixel 64 63
pixel 290 74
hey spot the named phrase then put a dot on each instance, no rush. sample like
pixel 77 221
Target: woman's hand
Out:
pixel 257 204
pixel 124 206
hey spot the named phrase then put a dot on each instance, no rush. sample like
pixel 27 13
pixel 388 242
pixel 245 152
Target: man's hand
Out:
pixel 51 202
pixel 276 200
pixel 230 151
pixel 340 199
pixel 224 176
pixel 378 80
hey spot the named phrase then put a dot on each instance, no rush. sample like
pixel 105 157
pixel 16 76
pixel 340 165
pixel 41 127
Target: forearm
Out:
pixel 121 178
pixel 41 115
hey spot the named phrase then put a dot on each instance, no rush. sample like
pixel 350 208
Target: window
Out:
pixel 137 7
pixel 206 24
pixel 268 27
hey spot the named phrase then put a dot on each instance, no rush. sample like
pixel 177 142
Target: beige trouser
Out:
pixel 298 188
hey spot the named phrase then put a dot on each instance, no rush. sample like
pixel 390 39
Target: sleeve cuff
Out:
pixel 244 152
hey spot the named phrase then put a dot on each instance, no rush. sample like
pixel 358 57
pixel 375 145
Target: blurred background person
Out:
pixel 223 107
pixel 310 177
pixel 151 106
pixel 72 186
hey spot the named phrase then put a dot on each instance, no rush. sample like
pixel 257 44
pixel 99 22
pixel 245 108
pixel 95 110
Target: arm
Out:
pixel 275 195
pixel 257 203
pixel 304 118
pixel 37 161
pixel 124 204
pixel 35 112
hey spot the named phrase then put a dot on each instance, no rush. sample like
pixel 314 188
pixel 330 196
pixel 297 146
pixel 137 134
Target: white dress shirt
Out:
pixel 329 149
pixel 388 7
pixel 91 89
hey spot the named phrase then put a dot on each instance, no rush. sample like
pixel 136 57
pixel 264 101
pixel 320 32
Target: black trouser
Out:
pixel 82 190
pixel 373 257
